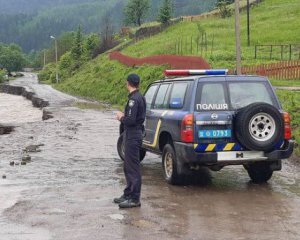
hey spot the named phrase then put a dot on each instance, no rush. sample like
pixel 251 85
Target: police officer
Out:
pixel 132 119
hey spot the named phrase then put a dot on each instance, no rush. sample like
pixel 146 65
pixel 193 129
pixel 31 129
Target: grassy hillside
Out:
pixel 272 22
pixel 105 80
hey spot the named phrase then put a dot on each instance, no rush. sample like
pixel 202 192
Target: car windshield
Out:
pixel 244 93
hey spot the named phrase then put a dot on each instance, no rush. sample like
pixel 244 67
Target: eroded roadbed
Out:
pixel 66 190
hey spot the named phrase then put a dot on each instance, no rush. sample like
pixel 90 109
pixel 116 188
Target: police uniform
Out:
pixel 133 120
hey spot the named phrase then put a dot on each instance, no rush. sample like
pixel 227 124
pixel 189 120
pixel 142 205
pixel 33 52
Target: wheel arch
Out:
pixel 164 138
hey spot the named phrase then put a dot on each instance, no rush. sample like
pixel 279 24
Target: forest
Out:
pixel 29 23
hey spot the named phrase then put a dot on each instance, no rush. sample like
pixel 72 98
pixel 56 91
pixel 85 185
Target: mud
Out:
pixel 66 190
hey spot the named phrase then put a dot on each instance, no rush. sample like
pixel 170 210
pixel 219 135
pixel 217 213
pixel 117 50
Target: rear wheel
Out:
pixel 259 172
pixel 121 149
pixel 169 162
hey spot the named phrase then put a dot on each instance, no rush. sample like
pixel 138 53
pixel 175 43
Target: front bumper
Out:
pixel 186 154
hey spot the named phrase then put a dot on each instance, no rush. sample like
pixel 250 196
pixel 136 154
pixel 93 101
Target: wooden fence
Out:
pixel 188 45
pixel 287 70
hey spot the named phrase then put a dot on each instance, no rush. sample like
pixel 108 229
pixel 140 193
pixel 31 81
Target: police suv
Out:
pixel 208 118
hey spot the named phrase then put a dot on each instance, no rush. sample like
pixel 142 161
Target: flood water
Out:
pixel 15 110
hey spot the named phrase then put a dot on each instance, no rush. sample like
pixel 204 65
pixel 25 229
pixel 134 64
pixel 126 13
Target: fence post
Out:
pixel 281 52
pixel 198 44
pixel 255 55
pixel 212 44
pixel 191 44
pixel 271 52
pixel 186 45
pixel 281 71
pixel 181 48
pixel 290 51
pixel 205 42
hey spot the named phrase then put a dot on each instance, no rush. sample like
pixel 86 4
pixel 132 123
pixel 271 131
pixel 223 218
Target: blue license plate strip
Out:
pixel 214 134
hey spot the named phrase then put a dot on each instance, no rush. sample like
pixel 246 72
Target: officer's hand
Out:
pixel 120 115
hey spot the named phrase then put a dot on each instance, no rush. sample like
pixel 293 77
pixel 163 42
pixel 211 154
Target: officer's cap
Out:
pixel 134 79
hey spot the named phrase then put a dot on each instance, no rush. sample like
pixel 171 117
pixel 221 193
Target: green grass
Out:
pixel 105 80
pixel 272 22
pixel 291 103
pixel 286 83
pixel 95 106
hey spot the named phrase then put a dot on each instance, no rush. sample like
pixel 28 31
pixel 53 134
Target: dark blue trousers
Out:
pixel 132 168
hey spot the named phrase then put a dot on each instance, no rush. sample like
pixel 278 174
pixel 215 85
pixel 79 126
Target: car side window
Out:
pixel 178 95
pixel 162 97
pixel 149 95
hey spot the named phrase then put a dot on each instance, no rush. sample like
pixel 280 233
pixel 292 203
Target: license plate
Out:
pixel 215 134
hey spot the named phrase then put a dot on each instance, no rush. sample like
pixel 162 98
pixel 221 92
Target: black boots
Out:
pixel 121 199
pixel 130 203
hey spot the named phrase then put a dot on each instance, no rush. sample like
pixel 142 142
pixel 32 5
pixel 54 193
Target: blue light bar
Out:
pixel 217 72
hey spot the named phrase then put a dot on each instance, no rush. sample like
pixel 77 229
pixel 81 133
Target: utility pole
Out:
pixel 44 59
pixel 248 22
pixel 238 38
pixel 56 57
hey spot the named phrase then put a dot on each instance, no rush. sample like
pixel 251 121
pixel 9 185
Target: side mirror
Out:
pixel 176 103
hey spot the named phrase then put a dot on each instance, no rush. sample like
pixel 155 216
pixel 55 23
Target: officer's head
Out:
pixel 133 81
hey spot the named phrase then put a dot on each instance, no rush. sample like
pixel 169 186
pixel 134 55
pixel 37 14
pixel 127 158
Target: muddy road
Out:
pixel 65 192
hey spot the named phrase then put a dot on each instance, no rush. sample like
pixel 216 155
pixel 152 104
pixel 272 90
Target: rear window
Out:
pixel 244 93
pixel 210 96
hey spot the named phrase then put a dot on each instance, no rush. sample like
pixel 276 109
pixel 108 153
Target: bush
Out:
pixel 2 75
pixel 48 73
pixel 67 65
pixel 225 11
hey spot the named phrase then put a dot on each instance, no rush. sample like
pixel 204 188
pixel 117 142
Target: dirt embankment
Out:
pixel 22 91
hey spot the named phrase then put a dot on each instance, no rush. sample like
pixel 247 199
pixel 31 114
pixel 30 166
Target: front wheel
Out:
pixel 121 149
pixel 259 172
pixel 169 163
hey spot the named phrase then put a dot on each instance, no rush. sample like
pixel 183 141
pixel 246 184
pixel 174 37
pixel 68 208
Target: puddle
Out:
pixel 116 216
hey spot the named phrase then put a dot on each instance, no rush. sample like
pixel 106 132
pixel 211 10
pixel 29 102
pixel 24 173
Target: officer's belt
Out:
pixel 139 127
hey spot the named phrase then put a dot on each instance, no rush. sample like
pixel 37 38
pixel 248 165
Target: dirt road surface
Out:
pixel 66 191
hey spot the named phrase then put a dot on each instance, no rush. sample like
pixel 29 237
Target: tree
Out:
pixel 165 12
pixel 107 33
pixel 11 57
pixel 224 9
pixel 136 11
pixel 91 44
pixel 77 48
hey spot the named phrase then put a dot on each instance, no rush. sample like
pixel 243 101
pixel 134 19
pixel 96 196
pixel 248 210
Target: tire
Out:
pixel 121 149
pixel 169 162
pixel 259 126
pixel 259 172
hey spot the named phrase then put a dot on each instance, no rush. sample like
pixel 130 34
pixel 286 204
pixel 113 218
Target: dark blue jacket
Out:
pixel 135 111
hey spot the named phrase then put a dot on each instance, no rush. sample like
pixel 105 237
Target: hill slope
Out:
pixel 273 21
